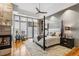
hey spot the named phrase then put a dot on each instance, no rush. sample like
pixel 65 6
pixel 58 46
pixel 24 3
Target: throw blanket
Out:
pixel 39 37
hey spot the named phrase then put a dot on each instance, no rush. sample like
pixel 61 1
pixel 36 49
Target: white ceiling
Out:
pixel 51 8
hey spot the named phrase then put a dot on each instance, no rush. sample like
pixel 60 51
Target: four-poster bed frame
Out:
pixel 44 46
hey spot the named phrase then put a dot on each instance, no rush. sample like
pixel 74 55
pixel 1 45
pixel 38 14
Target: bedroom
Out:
pixel 51 34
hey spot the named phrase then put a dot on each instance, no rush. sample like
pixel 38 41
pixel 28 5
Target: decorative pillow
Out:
pixel 53 34
pixel 57 33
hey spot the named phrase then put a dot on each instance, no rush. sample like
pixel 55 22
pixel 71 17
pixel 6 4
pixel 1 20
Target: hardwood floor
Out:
pixel 73 52
pixel 19 49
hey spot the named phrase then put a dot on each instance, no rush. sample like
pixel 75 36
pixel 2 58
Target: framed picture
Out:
pixel 67 28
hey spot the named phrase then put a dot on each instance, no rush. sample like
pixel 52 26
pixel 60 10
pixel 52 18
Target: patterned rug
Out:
pixel 35 50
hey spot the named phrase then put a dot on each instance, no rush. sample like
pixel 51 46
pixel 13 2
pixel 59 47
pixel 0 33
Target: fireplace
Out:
pixel 5 41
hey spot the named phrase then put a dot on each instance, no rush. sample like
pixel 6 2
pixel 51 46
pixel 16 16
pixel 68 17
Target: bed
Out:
pixel 49 40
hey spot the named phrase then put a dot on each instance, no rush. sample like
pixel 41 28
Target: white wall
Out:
pixel 54 24
pixel 71 18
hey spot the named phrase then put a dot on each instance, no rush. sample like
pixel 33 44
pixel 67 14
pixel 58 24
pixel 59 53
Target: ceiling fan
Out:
pixel 39 11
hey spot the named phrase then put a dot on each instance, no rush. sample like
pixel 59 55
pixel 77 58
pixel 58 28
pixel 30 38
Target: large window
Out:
pixel 16 28
pixel 26 26
pixel 24 29
pixel 35 27
pixel 30 25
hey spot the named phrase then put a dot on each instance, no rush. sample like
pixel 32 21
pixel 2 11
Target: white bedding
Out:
pixel 49 40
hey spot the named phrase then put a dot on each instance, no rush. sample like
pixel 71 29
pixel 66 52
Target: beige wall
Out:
pixel 5 21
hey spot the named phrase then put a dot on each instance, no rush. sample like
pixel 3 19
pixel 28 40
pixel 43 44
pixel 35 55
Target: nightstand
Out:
pixel 67 42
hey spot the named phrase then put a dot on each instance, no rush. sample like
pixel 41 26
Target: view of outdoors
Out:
pixel 26 26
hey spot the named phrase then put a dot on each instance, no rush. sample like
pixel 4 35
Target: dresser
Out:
pixel 67 42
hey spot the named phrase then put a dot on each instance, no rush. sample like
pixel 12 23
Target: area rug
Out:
pixel 35 50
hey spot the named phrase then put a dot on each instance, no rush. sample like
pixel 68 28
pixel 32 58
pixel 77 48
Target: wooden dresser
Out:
pixel 67 42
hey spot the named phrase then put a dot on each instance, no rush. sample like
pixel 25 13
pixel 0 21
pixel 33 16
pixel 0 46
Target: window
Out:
pixel 25 26
pixel 16 18
pixel 17 25
pixel 24 29
pixel 30 24
pixel 16 28
pixel 35 27
pixel 23 19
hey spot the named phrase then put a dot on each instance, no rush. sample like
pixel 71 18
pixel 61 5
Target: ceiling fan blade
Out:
pixel 37 13
pixel 37 9
pixel 43 12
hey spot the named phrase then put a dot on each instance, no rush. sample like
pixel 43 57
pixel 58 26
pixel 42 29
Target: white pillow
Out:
pixel 57 33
